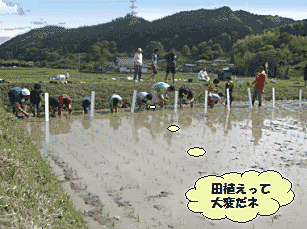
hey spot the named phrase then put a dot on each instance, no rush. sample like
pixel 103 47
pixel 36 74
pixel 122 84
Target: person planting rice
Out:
pixel 214 87
pixel 159 90
pixel 259 85
pixel 36 97
pixel 19 96
pixel 115 101
pixel 64 100
pixel 230 86
pixel 53 105
pixel 143 98
pixel 214 99
pixel 85 105
pixel 188 92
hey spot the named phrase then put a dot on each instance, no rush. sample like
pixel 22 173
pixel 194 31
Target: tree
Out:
pixel 152 46
pixel 224 40
pixel 94 52
pixel 53 56
pixel 202 48
pixel 194 52
pixel 113 47
pixel 186 51
pixel 217 51
pixel 104 44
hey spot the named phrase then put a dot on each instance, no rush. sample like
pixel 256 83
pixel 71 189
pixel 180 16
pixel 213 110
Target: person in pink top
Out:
pixel 64 100
pixel 259 85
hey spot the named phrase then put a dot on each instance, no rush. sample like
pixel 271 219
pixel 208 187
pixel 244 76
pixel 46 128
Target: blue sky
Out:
pixel 18 16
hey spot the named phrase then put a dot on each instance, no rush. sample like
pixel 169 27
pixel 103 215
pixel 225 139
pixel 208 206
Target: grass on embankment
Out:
pixel 30 195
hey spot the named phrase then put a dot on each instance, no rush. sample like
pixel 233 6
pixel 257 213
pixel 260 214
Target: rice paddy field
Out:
pixel 130 171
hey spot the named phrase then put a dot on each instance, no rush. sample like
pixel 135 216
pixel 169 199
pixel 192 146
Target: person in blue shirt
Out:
pixel 19 96
pixel 159 90
pixel 85 105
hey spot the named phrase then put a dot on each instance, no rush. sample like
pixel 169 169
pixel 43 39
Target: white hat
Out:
pixel 139 50
pixel 25 92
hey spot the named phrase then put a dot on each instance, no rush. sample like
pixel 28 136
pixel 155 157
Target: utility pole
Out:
pixel 67 59
pixel 100 62
pixel 79 63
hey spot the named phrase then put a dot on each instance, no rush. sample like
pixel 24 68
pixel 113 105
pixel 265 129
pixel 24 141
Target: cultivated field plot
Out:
pixel 133 172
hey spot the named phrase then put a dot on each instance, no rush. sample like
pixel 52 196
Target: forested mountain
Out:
pixel 190 28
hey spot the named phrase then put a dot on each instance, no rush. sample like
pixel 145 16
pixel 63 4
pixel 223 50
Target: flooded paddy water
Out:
pixel 130 171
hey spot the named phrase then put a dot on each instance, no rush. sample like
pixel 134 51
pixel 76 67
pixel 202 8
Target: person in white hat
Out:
pixel 115 101
pixel 18 98
pixel 138 62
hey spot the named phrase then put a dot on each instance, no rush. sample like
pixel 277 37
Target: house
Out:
pixel 216 61
pixel 188 67
pixel 128 64
pixel 202 62
pixel 30 63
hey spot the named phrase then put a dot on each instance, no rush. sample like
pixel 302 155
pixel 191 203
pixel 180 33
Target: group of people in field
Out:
pixel 18 99
pixel 138 62
pixel 158 95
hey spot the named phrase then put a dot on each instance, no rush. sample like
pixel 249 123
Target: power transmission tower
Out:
pixel 133 13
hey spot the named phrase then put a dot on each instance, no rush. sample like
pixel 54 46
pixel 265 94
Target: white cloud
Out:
pixel 10 8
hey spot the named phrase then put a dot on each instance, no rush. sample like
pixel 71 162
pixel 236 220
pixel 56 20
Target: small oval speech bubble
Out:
pixel 196 152
pixel 173 128
pixel 240 197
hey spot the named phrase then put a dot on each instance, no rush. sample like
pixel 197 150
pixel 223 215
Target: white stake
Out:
pixel 228 99
pixel 176 101
pixel 46 107
pixel 133 101
pixel 206 101
pixel 273 91
pixel 250 98
pixel 92 103
pixel 300 106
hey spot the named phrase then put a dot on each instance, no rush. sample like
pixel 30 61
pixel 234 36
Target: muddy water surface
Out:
pixel 132 172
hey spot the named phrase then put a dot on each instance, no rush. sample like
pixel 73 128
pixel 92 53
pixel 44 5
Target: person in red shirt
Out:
pixel 64 100
pixel 259 85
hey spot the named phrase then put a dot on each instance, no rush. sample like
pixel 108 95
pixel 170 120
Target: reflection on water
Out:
pixel 139 120
pixel 185 118
pixel 60 125
pixel 149 155
pixel 86 122
pixel 115 121
pixel 257 125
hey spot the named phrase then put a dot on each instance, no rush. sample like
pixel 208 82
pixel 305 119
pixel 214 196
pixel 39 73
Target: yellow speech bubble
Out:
pixel 240 197
pixel 196 151
pixel 173 128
